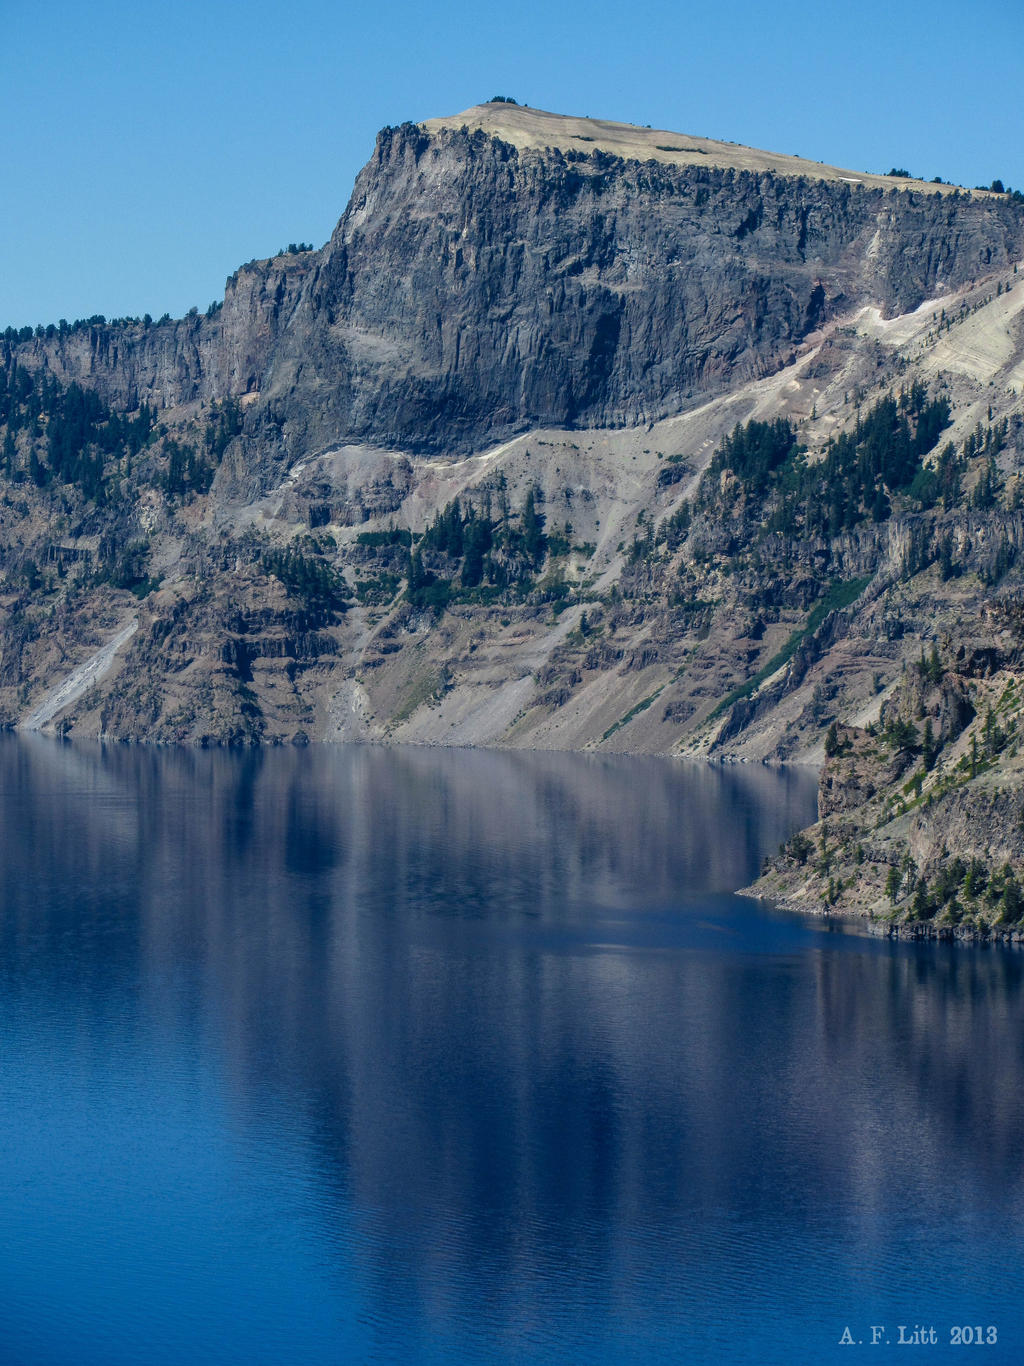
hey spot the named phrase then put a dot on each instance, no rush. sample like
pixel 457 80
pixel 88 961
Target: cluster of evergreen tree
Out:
pixel 969 879
pixel 187 472
pixel 223 425
pixel 859 473
pixel 15 335
pixel 190 471
pixel 466 536
pixel 988 489
pixel 941 483
pixel 755 453
pixel 65 434
pixel 393 536
pixel 315 584
pixel 123 565
pixel 469 548
pixel 72 436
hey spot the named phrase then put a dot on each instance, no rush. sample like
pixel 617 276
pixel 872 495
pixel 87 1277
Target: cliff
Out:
pixel 921 823
pixel 574 436
pixel 476 288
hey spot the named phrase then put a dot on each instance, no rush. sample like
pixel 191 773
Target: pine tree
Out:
pixel 534 541
pixel 892 885
pixel 928 746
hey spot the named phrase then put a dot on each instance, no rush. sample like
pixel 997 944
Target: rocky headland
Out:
pixel 576 436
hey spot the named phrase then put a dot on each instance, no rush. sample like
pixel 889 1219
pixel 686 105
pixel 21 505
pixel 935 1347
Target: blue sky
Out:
pixel 149 150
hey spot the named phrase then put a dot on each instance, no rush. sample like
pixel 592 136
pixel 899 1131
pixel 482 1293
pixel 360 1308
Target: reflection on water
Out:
pixel 405 1055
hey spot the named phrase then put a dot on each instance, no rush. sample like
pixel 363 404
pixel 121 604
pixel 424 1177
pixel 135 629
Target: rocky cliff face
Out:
pixel 474 289
pixel 177 362
pixel 465 475
pixel 921 822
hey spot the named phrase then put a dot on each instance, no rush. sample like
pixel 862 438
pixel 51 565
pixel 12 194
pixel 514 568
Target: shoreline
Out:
pixel 923 931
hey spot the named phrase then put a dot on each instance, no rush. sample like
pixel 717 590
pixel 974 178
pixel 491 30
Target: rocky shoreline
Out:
pixel 888 928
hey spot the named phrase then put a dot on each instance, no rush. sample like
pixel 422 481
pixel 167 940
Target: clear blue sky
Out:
pixel 149 150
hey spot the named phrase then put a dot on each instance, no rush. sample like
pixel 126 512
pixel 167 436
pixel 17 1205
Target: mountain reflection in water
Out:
pixel 366 1054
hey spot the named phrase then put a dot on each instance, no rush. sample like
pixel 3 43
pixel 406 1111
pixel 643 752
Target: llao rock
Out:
pixel 475 288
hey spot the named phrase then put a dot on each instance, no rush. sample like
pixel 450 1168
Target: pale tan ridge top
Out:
pixel 537 129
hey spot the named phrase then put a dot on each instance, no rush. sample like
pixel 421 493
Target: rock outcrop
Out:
pixel 474 289
pixel 457 476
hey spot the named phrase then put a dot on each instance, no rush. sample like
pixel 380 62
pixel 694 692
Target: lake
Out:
pixel 352 1054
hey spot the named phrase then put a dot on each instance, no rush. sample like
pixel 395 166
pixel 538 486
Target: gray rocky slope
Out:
pixel 474 289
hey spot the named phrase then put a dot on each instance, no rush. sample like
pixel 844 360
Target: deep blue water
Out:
pixel 359 1055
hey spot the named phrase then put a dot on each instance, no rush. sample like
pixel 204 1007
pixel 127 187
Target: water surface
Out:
pixel 355 1054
